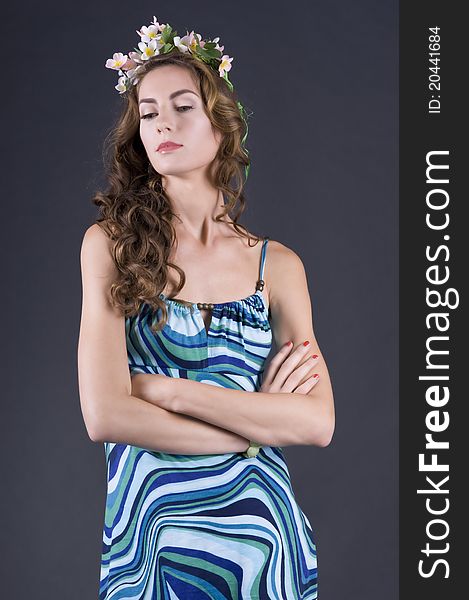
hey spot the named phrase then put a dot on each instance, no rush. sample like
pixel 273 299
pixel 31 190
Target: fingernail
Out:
pixel 306 343
pixel 315 355
pixel 287 343
pixel 316 376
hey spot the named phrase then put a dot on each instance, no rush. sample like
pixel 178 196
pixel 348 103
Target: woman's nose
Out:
pixel 163 122
pixel 163 126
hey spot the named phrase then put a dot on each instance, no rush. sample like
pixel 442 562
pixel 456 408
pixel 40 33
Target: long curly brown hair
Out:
pixel 135 212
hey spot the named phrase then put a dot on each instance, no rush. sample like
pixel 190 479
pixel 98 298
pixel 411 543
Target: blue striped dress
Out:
pixel 200 527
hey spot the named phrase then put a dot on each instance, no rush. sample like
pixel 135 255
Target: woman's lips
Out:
pixel 168 147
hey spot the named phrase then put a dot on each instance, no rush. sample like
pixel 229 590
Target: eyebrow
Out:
pixel 173 95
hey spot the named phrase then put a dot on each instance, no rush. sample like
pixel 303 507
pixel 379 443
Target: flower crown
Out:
pixel 161 39
pixel 157 39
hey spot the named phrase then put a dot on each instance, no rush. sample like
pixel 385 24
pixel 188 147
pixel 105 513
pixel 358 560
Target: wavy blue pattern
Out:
pixel 199 527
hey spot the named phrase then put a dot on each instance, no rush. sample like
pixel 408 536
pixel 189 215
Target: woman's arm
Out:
pixel 275 419
pixel 283 419
pixel 133 421
pixel 109 410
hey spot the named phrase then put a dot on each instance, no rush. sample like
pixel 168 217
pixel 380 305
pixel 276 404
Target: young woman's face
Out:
pixel 166 115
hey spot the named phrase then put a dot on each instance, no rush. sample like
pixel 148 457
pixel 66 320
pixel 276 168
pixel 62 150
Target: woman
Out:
pixel 199 502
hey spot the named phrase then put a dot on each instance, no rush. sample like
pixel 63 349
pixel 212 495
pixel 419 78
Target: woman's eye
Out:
pixel 179 108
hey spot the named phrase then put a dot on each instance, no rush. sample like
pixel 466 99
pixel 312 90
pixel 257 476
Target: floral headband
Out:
pixel 157 39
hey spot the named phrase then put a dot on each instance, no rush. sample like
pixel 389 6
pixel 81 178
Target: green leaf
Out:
pixel 208 54
pixel 166 33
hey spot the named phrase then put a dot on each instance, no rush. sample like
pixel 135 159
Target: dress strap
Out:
pixel 260 282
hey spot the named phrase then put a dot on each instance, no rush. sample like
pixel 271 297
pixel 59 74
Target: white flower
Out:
pixel 122 85
pixel 135 56
pixel 118 59
pixel 147 34
pixel 131 72
pixel 225 64
pixel 218 47
pixel 163 27
pixel 148 50
pixel 158 25
pixel 181 43
pixel 188 42
pixel 194 41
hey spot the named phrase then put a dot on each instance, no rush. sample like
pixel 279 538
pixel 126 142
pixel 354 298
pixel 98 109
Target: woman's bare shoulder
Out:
pixel 283 272
pixel 279 256
pixel 96 250
pixel 98 231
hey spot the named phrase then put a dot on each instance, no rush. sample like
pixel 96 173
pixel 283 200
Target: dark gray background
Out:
pixel 322 81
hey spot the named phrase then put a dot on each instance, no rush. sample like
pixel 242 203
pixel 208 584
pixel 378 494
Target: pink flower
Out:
pixel 130 64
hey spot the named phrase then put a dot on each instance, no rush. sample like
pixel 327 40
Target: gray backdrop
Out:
pixel 322 81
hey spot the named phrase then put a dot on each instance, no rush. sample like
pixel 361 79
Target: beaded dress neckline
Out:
pixel 205 305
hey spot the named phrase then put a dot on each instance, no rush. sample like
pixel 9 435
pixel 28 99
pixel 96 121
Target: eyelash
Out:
pixel 151 114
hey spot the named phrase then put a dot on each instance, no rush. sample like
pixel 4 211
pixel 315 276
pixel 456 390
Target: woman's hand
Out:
pixel 153 388
pixel 284 375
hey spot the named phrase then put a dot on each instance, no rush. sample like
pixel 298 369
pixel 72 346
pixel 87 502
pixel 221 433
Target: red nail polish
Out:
pixel 316 376
pixel 315 355
pixel 287 343
pixel 306 343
